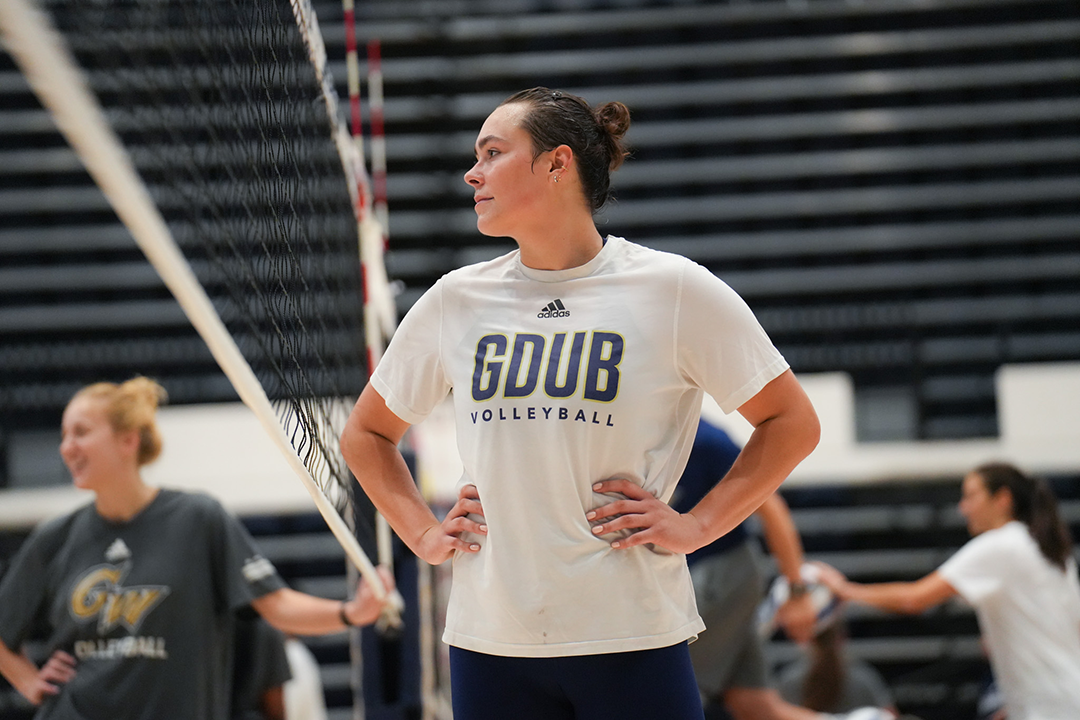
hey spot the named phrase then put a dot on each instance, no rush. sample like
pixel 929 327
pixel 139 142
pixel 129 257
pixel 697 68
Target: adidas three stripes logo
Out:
pixel 554 309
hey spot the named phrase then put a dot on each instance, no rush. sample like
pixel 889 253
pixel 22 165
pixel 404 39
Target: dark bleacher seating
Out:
pixel 890 185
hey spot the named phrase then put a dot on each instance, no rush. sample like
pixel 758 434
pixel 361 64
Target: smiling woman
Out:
pixel 138 589
pixel 578 365
pixel 104 443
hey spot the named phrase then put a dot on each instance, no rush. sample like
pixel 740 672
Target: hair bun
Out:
pixel 614 119
pixel 595 135
pixel 151 394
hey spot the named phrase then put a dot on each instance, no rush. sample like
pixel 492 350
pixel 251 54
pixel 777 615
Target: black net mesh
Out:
pixel 219 105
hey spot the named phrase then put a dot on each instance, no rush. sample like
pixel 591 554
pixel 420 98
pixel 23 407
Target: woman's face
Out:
pixel 509 188
pixel 982 510
pixel 92 450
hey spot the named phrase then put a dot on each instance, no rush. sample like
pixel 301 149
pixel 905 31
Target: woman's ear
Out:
pixel 1003 501
pixel 562 159
pixel 129 441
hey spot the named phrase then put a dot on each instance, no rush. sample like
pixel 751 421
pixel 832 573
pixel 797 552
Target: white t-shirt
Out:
pixel 1029 615
pixel 561 379
pixel 303 693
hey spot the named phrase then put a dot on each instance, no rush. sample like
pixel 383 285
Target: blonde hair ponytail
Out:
pixel 132 405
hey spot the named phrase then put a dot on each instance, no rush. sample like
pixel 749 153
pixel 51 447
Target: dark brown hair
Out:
pixel 823 684
pixel 595 135
pixel 1034 504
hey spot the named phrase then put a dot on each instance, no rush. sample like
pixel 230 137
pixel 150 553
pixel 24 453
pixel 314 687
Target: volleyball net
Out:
pixel 213 129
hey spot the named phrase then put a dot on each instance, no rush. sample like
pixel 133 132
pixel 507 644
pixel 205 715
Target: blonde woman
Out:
pixel 135 592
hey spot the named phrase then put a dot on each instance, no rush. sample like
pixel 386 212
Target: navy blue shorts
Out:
pixel 645 684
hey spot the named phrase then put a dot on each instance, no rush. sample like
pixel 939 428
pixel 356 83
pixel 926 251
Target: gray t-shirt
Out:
pixel 146 607
pixel 261 665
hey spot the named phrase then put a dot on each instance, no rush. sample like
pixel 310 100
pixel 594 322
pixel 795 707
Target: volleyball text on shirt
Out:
pixel 548 405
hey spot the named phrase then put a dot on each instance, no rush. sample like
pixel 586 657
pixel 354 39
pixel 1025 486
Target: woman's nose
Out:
pixel 472 177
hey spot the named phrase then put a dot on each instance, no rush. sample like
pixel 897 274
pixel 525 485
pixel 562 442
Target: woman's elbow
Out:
pixel 347 442
pixel 917 598
pixel 914 606
pixel 809 430
pixel 355 441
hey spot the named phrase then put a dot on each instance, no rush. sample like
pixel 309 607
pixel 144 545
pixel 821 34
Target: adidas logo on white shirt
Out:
pixel 555 308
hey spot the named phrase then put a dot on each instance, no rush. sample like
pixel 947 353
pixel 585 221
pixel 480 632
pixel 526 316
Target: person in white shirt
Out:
pixel 1019 574
pixel 303 693
pixel 578 364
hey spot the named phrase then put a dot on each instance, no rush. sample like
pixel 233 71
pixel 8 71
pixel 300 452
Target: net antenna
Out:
pixel 56 78
pixel 379 323
pixel 380 313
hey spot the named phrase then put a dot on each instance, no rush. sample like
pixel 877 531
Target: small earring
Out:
pixel 556 178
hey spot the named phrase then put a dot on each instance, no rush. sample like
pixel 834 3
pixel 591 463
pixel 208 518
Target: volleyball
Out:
pixel 826 604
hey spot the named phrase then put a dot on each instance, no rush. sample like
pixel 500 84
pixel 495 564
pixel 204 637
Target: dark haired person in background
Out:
pixel 729 658
pixel 1019 574
pixel 828 679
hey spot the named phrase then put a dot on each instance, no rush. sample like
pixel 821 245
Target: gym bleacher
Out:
pixel 892 185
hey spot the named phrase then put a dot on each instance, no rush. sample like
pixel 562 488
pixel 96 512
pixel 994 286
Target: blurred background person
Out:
pixel 828 679
pixel 729 655
pixel 134 594
pixel 260 670
pixel 1019 574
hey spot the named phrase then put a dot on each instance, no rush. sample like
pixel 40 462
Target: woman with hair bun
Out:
pixel 135 592
pixel 578 364
pixel 1019 574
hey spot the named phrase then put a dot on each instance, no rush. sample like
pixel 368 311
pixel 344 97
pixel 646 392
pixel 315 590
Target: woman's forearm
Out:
pixel 297 613
pixel 781 536
pixel 385 478
pixel 20 672
pixel 769 456
pixel 369 445
pixel 900 597
pixel 786 430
